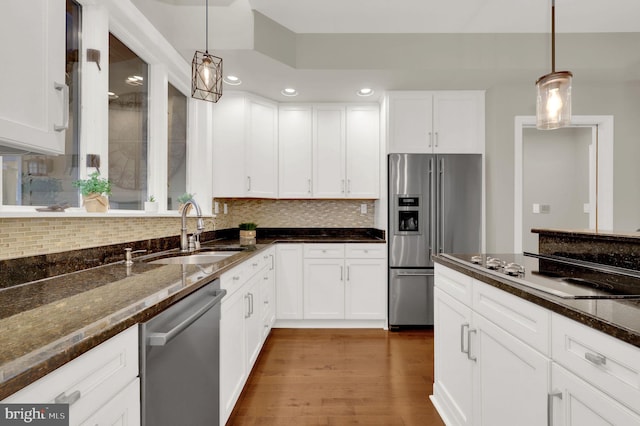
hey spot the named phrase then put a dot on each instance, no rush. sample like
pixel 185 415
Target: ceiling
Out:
pixel 385 23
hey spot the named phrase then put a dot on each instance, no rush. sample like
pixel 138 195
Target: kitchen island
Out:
pixel 507 353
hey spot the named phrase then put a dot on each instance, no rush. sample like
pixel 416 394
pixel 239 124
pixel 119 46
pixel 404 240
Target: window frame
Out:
pixel 166 65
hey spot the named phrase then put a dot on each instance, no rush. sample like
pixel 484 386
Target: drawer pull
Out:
pixel 597 359
pixel 550 397
pixel 70 399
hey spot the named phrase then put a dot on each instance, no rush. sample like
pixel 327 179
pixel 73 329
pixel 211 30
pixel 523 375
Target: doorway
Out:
pixel 559 166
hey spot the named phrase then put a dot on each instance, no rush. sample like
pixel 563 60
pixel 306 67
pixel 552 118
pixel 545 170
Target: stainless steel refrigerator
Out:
pixel 435 206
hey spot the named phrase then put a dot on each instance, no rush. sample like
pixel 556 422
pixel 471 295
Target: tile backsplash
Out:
pixel 31 236
pixel 269 213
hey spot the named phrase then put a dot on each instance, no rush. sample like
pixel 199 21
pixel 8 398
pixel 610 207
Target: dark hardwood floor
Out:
pixel 340 377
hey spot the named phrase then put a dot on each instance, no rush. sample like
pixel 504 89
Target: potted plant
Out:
pixel 151 206
pixel 182 200
pixel 247 233
pixel 95 191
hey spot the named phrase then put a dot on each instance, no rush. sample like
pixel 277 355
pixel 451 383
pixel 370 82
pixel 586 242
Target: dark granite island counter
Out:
pixel 617 318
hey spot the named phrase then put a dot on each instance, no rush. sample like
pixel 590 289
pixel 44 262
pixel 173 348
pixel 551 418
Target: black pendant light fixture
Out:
pixel 206 71
pixel 553 105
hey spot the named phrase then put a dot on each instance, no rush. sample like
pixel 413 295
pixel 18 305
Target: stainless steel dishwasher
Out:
pixel 180 361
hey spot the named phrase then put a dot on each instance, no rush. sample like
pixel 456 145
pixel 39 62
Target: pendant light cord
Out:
pixel 553 36
pixel 206 30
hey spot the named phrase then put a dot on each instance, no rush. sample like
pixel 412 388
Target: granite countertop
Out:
pixel 617 318
pixel 48 322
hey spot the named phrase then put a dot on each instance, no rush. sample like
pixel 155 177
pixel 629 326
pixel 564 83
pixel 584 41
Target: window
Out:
pixel 128 128
pixel 177 147
pixel 43 180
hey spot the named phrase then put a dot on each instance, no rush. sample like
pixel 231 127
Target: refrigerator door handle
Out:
pixel 430 206
pixel 409 274
pixel 440 214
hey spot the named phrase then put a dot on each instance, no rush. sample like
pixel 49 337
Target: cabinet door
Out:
pixel 229 177
pixel 35 100
pixel 453 367
pixel 363 152
pixel 253 319
pixel 289 276
pixel 365 289
pixel 410 122
pixel 261 149
pixel 329 152
pixel 324 288
pixel 574 402
pixel 458 122
pixel 295 151
pixel 511 378
pixel 233 352
pixel 123 409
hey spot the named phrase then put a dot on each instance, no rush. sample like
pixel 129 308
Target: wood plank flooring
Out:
pixel 340 377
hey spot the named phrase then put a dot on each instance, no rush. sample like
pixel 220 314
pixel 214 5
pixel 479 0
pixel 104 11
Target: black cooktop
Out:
pixel 561 277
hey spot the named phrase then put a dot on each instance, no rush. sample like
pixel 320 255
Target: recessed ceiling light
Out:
pixel 112 95
pixel 289 91
pixel 365 91
pixel 134 80
pixel 232 80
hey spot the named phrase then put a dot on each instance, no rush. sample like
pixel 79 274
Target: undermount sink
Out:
pixel 195 259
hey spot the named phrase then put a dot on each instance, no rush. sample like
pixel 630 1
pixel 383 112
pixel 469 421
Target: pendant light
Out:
pixel 553 105
pixel 206 71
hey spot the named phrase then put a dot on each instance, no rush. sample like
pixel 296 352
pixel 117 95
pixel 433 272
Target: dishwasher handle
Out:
pixel 161 339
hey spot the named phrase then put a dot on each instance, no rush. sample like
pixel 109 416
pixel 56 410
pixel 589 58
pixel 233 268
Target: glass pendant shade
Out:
pixel 206 77
pixel 553 105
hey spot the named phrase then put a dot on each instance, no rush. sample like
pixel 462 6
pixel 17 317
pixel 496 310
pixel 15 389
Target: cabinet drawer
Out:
pixel 233 279
pixel 94 377
pixel 256 263
pixel 324 251
pixel 530 323
pixel 604 361
pixel 454 283
pixel 366 251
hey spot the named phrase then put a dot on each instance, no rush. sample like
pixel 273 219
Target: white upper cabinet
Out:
pixel 295 151
pixel 329 151
pixel 363 152
pixel 35 100
pixel 245 147
pixel 436 122
pixel 262 149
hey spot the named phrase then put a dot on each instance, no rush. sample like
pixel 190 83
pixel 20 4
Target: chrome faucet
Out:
pixel 187 243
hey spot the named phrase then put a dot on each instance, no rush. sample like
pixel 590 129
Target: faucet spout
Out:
pixel 184 239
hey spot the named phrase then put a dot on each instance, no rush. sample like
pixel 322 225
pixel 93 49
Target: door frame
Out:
pixel 600 171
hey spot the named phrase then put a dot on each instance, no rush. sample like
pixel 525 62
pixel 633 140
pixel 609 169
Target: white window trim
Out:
pixel 128 24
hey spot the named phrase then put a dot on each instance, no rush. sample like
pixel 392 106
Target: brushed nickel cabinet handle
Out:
pixel 550 406
pixel 597 359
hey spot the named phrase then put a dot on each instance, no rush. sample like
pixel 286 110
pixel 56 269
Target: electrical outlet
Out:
pixel 225 208
pixel 216 207
pixel 93 160
pixel 363 208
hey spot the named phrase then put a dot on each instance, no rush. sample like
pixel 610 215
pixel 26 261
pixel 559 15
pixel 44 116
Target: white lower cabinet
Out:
pixel 242 324
pixel 453 367
pixel 501 360
pixel 511 378
pixel 289 275
pixel 484 375
pixel 342 283
pixel 100 385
